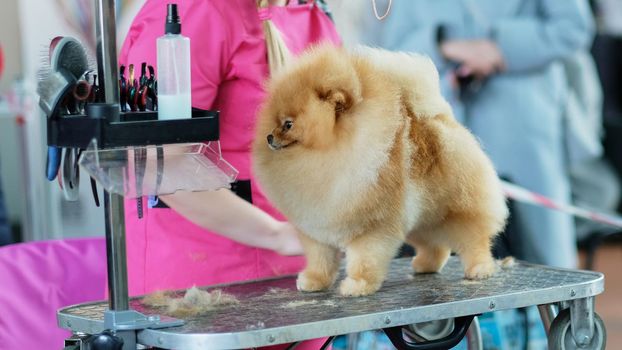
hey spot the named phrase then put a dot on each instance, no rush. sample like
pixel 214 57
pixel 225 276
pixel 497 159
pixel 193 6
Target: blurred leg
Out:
pixel 524 137
pixel 5 229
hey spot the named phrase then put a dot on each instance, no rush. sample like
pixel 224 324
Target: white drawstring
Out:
pixel 380 18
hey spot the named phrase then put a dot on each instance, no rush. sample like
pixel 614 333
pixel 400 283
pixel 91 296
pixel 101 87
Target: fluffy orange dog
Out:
pixel 362 154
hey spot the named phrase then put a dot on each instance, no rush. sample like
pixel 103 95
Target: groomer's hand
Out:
pixel 480 58
pixel 286 239
pixel 232 217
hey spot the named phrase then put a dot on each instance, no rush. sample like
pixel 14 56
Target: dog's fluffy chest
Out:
pixel 332 211
pixel 336 223
pixel 330 191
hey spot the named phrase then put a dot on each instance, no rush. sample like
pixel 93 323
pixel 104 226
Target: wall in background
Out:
pixel 48 215
pixel 10 40
pixel 10 172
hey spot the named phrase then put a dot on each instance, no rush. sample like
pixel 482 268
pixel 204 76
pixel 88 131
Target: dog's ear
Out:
pixel 341 100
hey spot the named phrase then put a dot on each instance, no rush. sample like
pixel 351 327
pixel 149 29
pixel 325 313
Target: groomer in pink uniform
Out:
pixel 204 238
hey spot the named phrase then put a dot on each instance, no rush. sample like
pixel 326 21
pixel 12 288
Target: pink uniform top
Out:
pixel 229 66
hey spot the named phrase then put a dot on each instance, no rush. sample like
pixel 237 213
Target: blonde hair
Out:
pixel 278 53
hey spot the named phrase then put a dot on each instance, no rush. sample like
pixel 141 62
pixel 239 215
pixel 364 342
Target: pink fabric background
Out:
pixel 37 279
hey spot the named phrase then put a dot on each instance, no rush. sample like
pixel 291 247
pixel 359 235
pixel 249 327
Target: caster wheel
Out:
pixel 104 341
pixel 431 330
pixel 560 334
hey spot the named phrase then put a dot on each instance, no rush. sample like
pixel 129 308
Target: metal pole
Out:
pixel 547 314
pixel 115 251
pixel 106 35
pixel 105 29
pixel 582 320
pixel 474 336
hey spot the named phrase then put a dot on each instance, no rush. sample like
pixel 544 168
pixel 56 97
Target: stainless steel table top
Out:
pixel 272 311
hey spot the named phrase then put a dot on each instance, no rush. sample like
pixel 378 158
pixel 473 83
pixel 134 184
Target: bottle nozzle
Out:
pixel 173 22
pixel 171 14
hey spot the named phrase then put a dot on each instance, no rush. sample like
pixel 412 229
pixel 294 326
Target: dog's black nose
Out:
pixel 270 138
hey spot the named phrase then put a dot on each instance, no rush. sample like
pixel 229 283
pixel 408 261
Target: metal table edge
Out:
pixel 319 329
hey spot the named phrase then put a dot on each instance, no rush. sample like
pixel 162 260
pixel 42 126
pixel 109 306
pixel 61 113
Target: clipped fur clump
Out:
pixel 362 153
pixel 299 303
pixel 194 302
pixel 507 262
pixel 157 299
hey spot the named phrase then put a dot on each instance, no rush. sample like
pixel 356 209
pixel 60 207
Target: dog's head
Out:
pixel 309 101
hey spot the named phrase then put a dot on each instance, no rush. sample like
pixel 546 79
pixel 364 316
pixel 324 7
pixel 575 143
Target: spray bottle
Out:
pixel 174 101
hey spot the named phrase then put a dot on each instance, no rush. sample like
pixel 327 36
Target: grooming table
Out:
pixel 272 311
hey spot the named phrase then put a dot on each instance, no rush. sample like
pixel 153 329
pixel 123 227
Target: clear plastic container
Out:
pixel 157 170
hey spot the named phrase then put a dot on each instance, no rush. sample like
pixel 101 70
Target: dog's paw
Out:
pixel 351 287
pixel 308 282
pixel 481 270
pixel 425 266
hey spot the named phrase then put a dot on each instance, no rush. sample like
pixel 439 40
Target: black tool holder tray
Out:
pixel 131 129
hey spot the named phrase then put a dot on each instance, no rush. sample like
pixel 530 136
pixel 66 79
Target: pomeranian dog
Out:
pixel 360 151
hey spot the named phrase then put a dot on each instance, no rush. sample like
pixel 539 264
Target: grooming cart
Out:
pixel 121 147
pixel 272 311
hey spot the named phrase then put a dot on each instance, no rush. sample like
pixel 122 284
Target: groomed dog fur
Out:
pixel 361 152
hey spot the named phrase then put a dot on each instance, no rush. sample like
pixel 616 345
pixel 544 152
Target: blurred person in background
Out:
pixel 596 181
pixel 517 73
pixel 502 69
pixel 607 52
pixel 5 230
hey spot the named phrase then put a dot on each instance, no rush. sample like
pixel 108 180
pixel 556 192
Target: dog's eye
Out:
pixel 288 124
